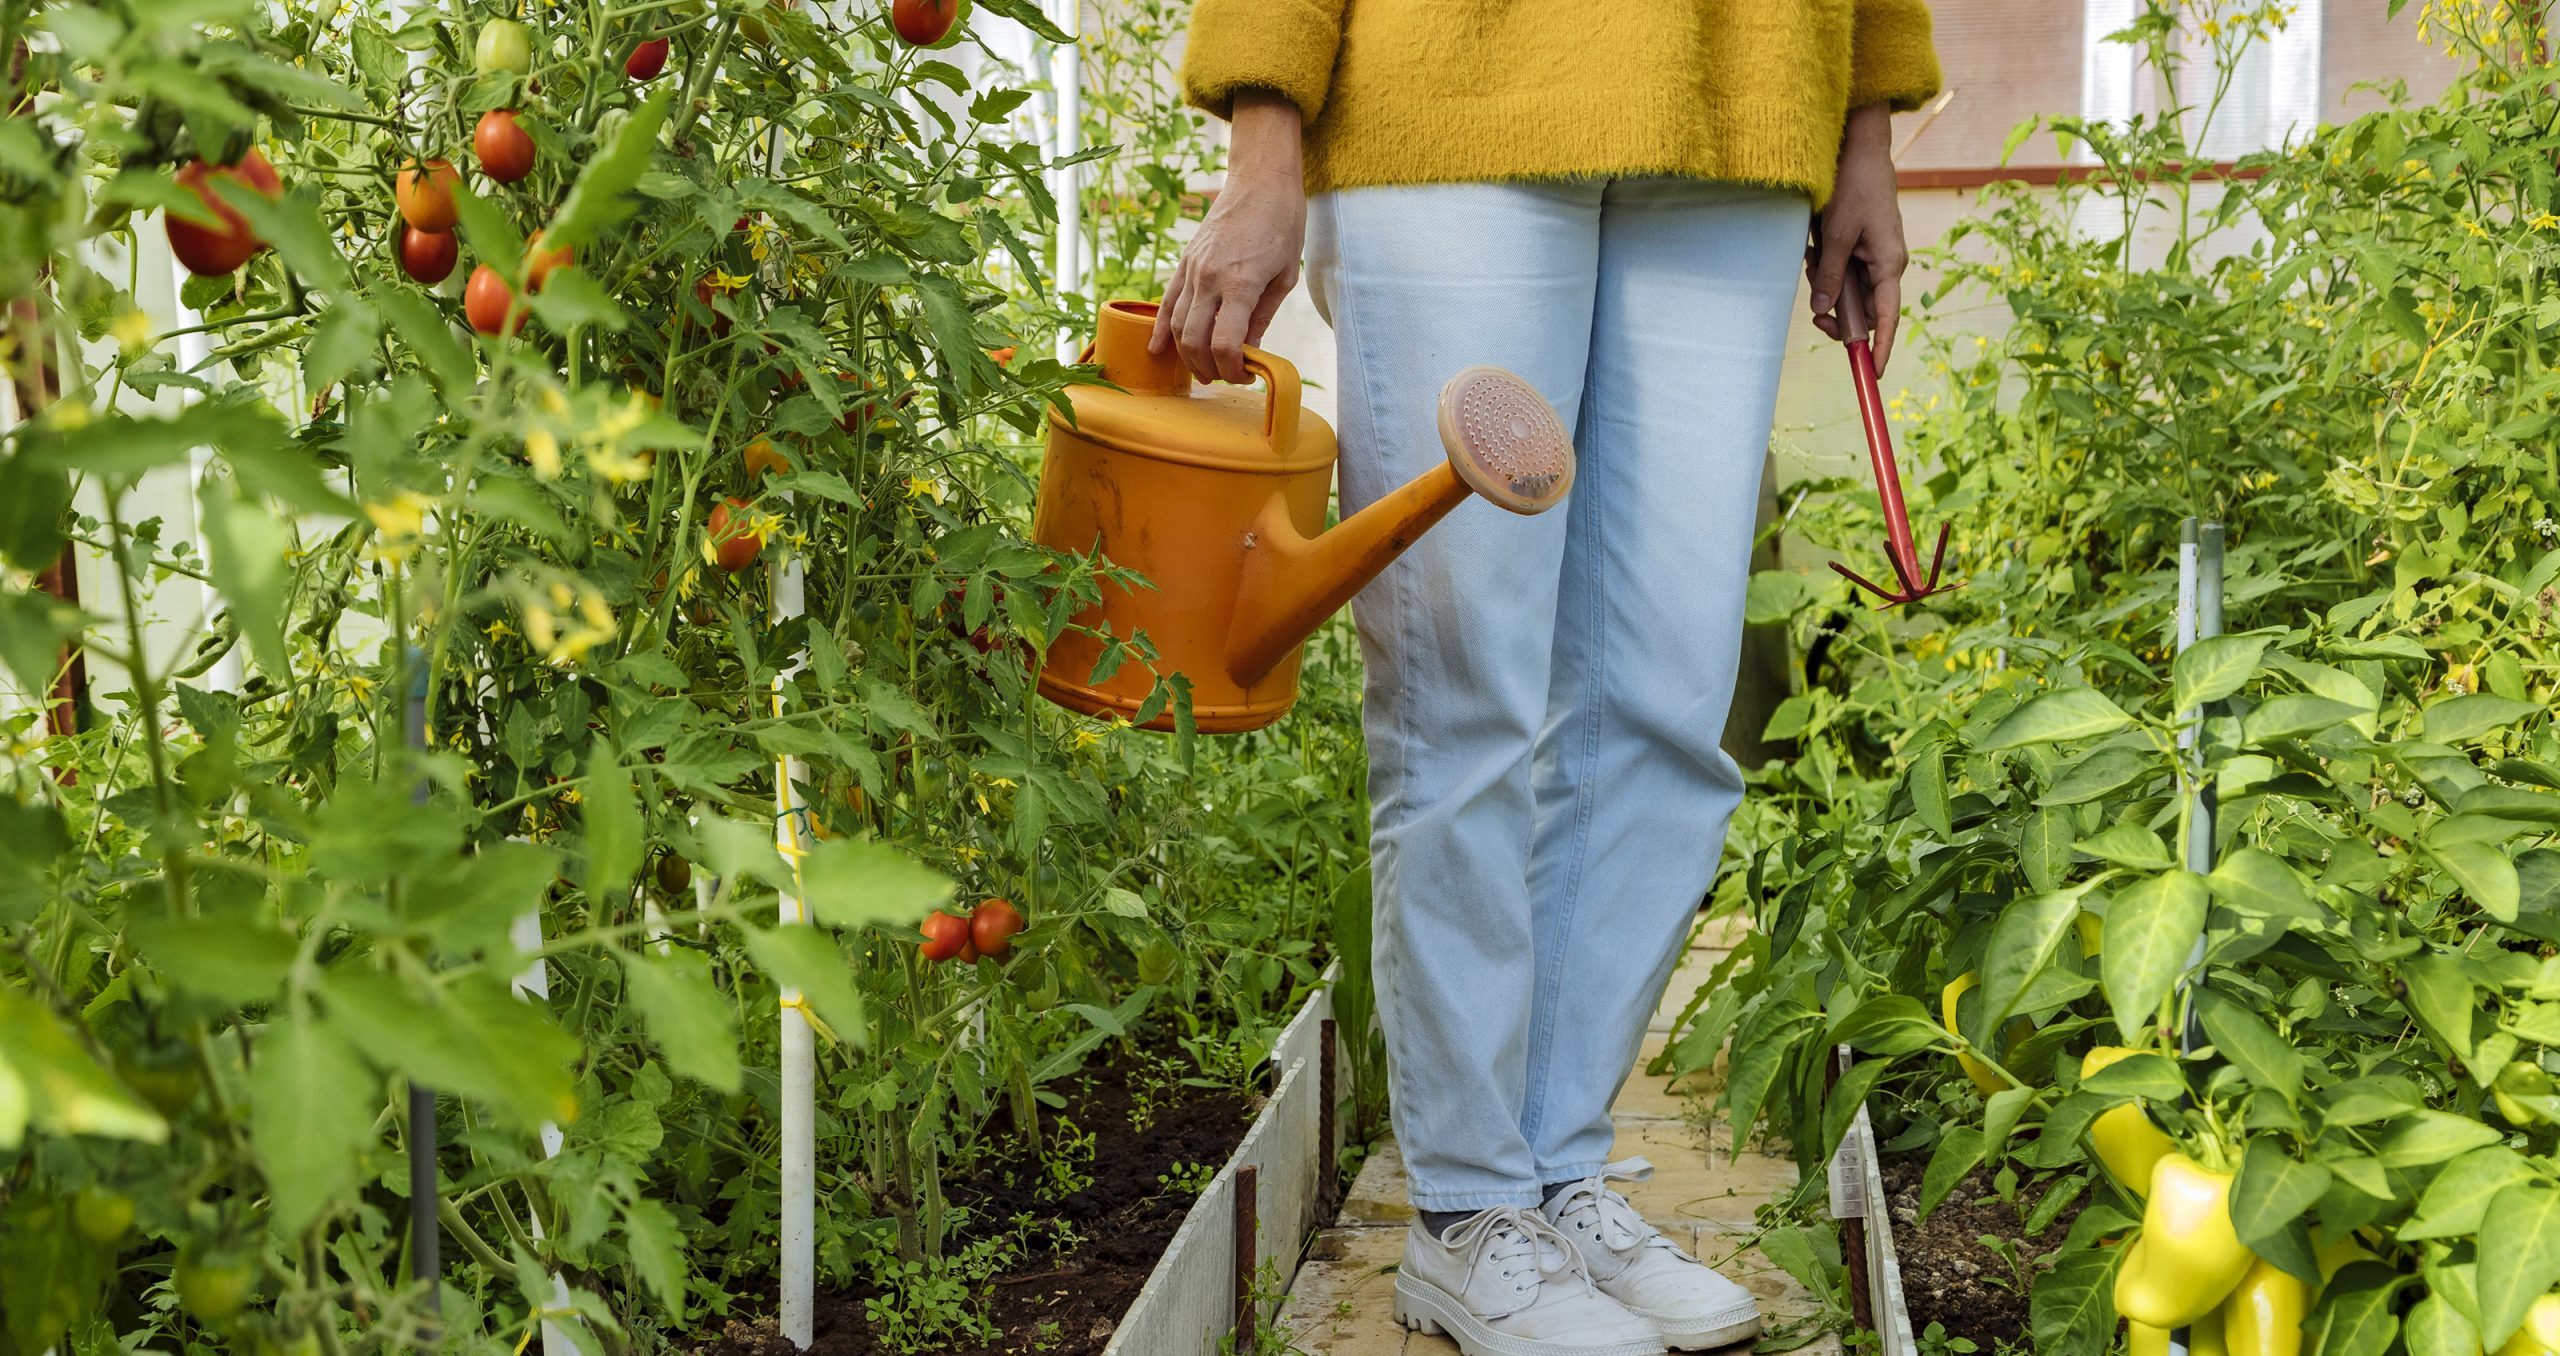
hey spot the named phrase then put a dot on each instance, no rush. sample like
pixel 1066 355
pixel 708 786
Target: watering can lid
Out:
pixel 1161 412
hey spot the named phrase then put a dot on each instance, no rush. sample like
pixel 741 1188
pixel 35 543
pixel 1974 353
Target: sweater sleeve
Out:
pixel 1282 45
pixel 1891 58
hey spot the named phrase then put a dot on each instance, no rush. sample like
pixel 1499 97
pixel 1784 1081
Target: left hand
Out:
pixel 1864 222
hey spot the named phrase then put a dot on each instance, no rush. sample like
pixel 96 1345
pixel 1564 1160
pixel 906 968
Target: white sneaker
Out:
pixel 1506 1283
pixel 1690 1307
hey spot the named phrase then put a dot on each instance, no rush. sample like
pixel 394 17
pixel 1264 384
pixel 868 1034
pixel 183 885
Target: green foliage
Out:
pixel 497 704
pixel 2341 350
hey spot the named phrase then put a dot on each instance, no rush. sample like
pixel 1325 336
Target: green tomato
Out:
pixel 213 1288
pixel 504 45
pixel 102 1216
pixel 303 1343
pixel 1155 961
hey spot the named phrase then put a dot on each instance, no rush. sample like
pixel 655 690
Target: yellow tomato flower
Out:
pixel 543 450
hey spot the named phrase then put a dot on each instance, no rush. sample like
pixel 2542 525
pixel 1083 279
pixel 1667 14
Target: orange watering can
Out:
pixel 1216 494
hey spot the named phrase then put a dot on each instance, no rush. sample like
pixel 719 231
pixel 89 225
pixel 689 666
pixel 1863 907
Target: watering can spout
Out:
pixel 1293 582
pixel 1504 442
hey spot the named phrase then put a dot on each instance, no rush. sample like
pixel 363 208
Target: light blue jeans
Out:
pixel 1545 695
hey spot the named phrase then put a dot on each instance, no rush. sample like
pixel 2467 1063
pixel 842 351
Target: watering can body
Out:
pixel 1171 479
pixel 1216 495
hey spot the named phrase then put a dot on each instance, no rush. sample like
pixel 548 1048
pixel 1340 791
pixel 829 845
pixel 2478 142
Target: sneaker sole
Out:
pixel 1434 1312
pixel 1708 1338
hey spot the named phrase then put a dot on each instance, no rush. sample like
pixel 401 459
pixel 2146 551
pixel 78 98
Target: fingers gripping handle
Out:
pixel 1857 323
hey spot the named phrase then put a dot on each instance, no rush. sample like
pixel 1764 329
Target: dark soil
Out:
pixel 1123 1217
pixel 1948 1277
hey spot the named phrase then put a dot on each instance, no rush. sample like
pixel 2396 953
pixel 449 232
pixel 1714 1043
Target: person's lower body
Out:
pixel 1545 695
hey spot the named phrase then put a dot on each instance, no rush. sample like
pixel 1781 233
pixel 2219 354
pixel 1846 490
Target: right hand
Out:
pixel 1242 263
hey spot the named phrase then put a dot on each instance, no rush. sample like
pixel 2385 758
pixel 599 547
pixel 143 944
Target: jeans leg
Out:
pixel 1418 283
pixel 1633 789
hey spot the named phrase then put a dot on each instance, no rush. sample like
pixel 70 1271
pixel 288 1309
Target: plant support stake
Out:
pixel 424 1235
pixel 2199 618
pixel 799 1051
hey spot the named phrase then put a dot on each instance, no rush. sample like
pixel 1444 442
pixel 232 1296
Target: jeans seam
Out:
pixel 1543 1027
pixel 1382 884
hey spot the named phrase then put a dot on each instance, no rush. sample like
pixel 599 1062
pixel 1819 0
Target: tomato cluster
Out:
pixel 987 931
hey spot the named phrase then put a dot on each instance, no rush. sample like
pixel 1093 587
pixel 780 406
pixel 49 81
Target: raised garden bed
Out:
pixel 1156 1259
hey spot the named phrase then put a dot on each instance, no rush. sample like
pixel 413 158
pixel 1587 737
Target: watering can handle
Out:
pixel 1280 406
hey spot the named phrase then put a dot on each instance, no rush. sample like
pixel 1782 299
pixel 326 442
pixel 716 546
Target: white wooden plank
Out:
pixel 1186 1306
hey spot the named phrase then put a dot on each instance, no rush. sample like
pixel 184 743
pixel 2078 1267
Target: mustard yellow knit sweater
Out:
pixel 1425 91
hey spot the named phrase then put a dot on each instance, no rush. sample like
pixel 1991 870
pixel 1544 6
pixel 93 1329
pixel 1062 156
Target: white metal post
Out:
pixel 799 1052
pixel 533 984
pixel 227 673
pixel 1066 77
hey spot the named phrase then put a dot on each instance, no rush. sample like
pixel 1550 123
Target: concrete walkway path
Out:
pixel 1343 1302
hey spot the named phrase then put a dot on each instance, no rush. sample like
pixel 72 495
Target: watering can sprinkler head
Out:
pixel 1217 495
pixel 1902 551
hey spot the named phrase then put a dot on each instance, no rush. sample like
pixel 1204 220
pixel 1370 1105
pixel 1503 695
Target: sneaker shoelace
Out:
pixel 1522 1247
pixel 1590 1206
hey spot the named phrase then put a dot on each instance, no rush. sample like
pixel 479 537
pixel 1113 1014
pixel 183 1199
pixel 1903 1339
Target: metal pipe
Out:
pixel 425 1236
pixel 2199 618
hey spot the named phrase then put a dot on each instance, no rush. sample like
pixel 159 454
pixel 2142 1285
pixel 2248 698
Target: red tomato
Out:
pixel 425 195
pixel 922 23
pixel 538 262
pixel 486 300
pixel 428 256
pixel 764 459
pixel 211 251
pixel 646 60
pixel 753 23
pixel 1002 355
pixel 735 546
pixel 504 148
pixel 992 927
pixel 945 936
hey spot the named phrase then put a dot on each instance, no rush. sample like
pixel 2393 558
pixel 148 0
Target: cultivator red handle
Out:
pixel 1901 550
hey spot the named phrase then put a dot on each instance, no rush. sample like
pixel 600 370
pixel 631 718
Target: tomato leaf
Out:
pixel 311 1109
pixel 852 883
pixel 687 1015
pixel 601 198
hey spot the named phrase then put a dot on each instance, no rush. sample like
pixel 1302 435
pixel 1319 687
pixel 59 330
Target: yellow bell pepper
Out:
pixel 2521 1078
pixel 2540 1335
pixel 2205 1337
pixel 2188 1260
pixel 2090 927
pixel 2126 1140
pixel 1986 1080
pixel 2263 1316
